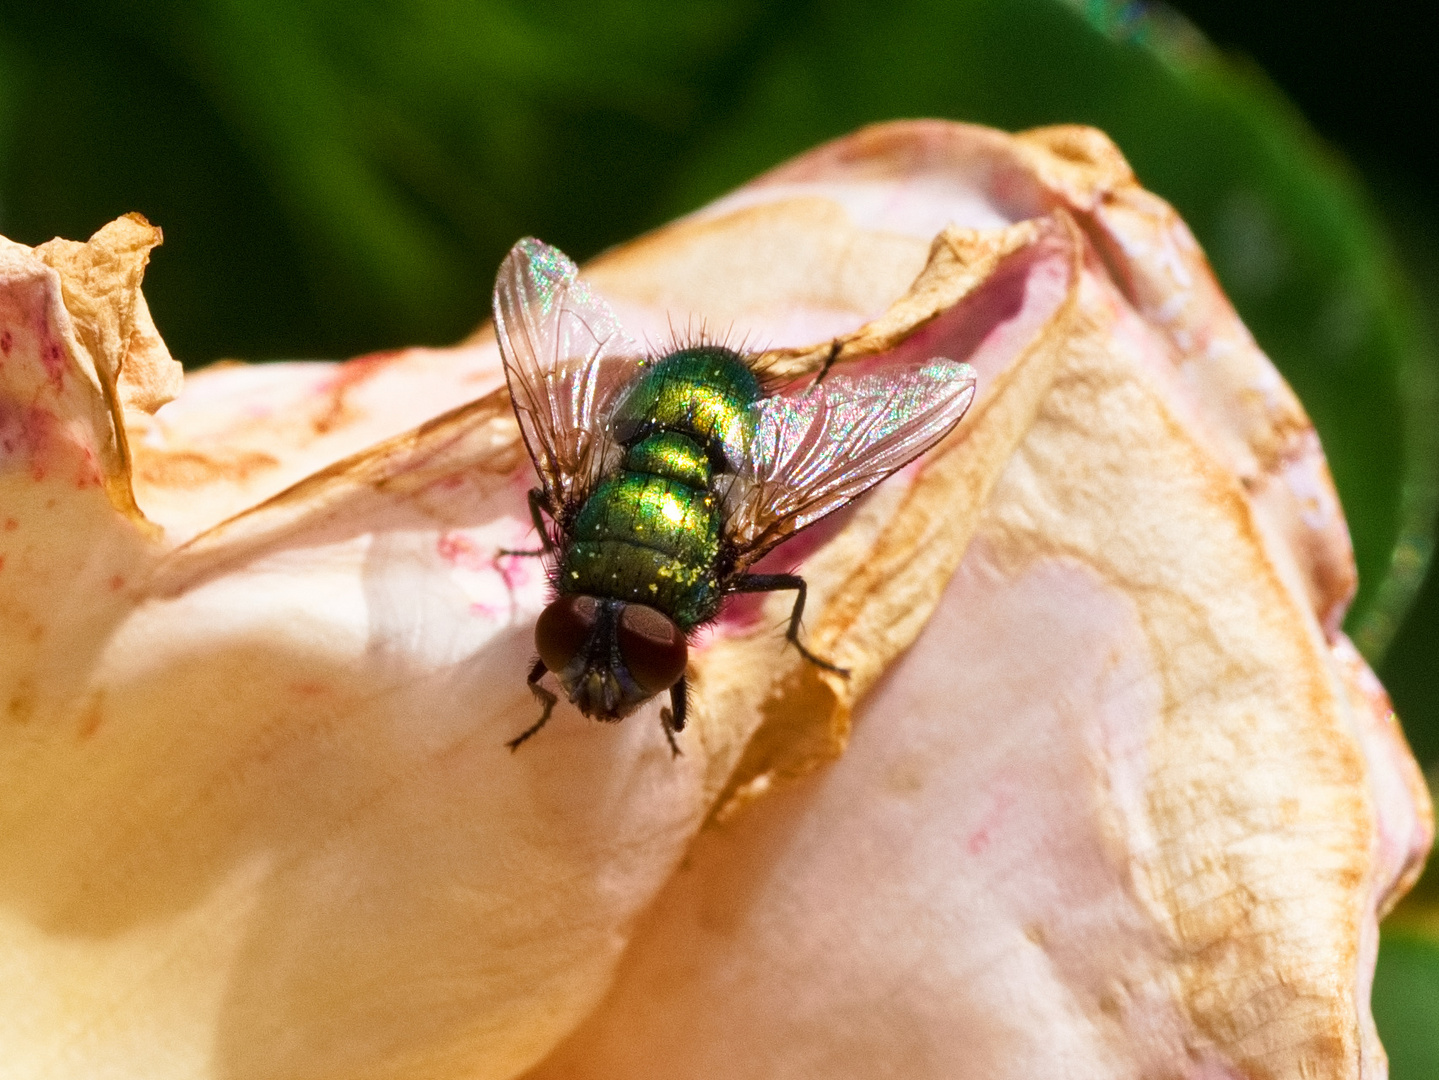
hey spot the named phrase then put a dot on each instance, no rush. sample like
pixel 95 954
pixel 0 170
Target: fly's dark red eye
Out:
pixel 653 647
pixel 564 628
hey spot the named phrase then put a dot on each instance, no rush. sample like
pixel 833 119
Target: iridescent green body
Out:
pixel 650 533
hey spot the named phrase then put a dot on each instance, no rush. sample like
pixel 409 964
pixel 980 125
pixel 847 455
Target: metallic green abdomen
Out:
pixel 650 533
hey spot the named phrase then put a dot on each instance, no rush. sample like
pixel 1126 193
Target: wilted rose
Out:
pixel 1107 794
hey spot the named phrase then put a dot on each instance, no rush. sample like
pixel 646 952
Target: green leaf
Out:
pixel 1406 1004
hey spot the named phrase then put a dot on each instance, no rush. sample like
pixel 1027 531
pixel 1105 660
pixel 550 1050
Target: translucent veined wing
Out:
pixel 808 454
pixel 566 359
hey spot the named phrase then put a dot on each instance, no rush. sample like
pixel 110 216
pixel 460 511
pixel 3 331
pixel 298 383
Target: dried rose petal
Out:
pixel 1131 803
pixel 1120 799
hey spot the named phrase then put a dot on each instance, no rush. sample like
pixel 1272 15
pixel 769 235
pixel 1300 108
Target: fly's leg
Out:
pixel 546 698
pixel 834 347
pixel 536 515
pixel 546 548
pixel 673 718
pixel 780 583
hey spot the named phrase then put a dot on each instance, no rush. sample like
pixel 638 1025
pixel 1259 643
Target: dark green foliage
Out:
pixel 1406 1005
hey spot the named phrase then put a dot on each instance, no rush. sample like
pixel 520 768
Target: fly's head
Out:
pixel 610 656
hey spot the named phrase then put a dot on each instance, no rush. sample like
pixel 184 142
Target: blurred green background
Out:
pixel 335 178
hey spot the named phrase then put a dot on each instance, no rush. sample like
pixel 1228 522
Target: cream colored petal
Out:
pixel 242 434
pixel 72 544
pixel 1128 807
pixel 1106 818
pixel 1123 806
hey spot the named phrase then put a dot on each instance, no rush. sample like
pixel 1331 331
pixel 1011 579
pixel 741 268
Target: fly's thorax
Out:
pixel 704 393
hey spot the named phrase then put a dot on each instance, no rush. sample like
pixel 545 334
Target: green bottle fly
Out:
pixel 665 478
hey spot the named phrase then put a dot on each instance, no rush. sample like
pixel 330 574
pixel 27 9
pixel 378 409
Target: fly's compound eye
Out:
pixel 653 647
pixel 563 630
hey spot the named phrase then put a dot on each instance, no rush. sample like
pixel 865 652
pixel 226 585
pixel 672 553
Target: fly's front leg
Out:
pixel 673 718
pixel 780 583
pixel 546 698
pixel 537 516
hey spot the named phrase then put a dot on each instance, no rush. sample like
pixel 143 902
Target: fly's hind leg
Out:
pixel 780 583
pixel 546 698
pixel 672 719
pixel 536 498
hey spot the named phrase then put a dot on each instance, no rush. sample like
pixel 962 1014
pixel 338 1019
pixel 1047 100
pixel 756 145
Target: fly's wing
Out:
pixel 566 359
pixel 808 454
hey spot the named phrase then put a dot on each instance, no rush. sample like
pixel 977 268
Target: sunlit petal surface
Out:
pixel 1107 793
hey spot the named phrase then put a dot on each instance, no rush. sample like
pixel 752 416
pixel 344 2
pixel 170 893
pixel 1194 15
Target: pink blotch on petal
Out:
pixel 515 571
pixel 25 434
pixel 357 370
pixel 459 550
pixel 53 357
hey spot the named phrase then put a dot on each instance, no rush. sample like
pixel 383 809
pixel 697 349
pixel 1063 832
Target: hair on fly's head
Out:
pixel 696 333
